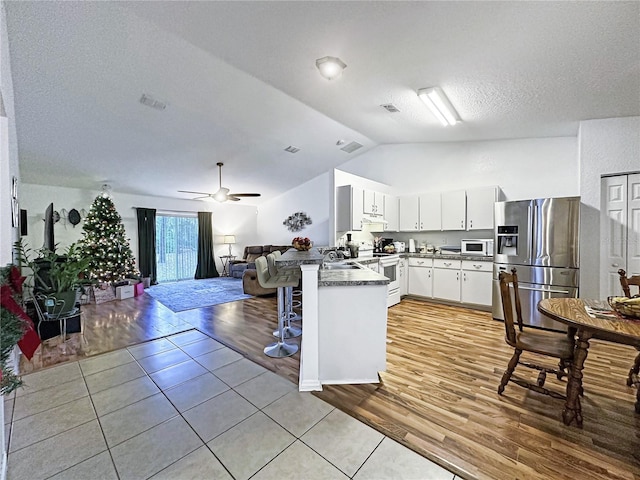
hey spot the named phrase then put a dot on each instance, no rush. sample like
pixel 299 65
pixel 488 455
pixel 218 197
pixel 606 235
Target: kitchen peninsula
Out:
pixel 345 321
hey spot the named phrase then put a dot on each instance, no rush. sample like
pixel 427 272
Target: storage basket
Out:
pixel 626 309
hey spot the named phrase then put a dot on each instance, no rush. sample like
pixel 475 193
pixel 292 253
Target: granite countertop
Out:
pixel 293 257
pixel 351 277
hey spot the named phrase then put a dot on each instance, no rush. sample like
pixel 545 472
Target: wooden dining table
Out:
pixel 572 312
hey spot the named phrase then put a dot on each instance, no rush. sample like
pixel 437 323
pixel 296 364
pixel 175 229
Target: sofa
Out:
pixel 251 252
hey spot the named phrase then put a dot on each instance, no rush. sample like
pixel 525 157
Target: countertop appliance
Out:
pixel 540 239
pixel 412 246
pixel 399 247
pixel 482 247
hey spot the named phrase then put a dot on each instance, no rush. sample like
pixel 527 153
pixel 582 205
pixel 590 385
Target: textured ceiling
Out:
pixel 240 82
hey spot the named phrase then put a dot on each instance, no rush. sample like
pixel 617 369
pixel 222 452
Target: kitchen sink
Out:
pixel 341 266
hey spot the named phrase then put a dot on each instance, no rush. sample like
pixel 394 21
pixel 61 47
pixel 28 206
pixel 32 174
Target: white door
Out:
pixel 480 206
pixel 421 281
pixel 454 209
pixel 409 215
pixel 446 284
pixel 613 233
pixel 430 211
pixel 369 205
pixel 633 222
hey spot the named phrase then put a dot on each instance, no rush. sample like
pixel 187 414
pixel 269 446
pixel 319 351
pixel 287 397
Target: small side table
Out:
pixel 225 259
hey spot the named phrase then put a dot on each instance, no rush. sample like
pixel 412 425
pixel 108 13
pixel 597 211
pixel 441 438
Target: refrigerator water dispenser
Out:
pixel 507 237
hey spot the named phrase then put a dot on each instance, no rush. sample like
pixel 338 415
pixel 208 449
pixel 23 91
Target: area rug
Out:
pixel 189 294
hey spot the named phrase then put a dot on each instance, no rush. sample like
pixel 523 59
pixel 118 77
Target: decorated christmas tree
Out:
pixel 104 241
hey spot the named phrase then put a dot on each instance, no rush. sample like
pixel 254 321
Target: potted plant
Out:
pixel 56 278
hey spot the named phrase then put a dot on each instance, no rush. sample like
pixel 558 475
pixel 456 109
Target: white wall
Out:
pixel 8 169
pixel 524 168
pixel 228 218
pixel 606 146
pixel 314 197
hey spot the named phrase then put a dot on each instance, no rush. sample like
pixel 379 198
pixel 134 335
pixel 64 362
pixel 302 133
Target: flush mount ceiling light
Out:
pixel 439 105
pixel 330 67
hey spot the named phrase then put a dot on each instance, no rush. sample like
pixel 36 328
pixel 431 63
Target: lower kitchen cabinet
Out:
pixel 404 276
pixel 446 279
pixel 476 283
pixel 420 281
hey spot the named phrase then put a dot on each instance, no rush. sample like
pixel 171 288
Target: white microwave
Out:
pixel 482 247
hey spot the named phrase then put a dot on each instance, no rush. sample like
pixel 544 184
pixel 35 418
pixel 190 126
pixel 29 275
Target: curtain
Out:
pixel 206 261
pixel 147 243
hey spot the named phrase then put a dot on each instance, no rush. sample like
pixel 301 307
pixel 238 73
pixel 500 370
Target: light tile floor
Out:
pixel 187 407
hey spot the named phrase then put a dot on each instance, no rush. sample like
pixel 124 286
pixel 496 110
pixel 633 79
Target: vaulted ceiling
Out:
pixel 240 84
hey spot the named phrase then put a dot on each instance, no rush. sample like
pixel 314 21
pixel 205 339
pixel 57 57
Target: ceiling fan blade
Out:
pixel 245 194
pixel 233 198
pixel 202 197
pixel 197 193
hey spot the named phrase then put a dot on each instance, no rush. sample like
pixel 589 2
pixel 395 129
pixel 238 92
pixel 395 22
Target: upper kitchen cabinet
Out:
pixel 349 208
pixel 454 209
pixel 480 207
pixel 391 213
pixel 409 215
pixel 420 212
pixel 373 203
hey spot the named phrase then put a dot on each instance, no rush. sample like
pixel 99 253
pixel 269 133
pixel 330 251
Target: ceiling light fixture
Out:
pixel 330 67
pixel 439 105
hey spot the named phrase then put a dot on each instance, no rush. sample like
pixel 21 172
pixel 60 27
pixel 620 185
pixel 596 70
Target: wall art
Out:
pixel 297 221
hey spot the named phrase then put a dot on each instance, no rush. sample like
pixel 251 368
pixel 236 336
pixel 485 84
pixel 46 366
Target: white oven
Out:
pixel 390 268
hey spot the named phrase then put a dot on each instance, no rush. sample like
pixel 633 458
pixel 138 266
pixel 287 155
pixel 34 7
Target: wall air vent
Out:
pixel 149 101
pixel 292 149
pixel 351 147
pixel 390 107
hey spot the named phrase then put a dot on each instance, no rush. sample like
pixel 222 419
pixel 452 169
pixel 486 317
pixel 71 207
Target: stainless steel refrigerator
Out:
pixel 540 238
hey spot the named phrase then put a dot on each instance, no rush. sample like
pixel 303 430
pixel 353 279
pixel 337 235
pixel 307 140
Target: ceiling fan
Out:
pixel 222 195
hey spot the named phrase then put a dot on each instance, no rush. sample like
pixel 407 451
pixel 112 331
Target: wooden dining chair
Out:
pixel 550 344
pixel 627 283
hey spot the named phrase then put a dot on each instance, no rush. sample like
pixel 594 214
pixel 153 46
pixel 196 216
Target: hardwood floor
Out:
pixel 439 393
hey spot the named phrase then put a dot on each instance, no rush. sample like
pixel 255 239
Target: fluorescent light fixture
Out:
pixel 330 67
pixel 439 105
pixel 229 239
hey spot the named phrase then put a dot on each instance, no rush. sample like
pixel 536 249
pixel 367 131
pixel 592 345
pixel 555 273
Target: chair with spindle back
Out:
pixel 531 340
pixel 627 283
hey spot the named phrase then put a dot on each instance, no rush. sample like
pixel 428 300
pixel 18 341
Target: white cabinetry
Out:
pixel 446 279
pixel 404 276
pixel 409 213
pixel 430 211
pixel 373 203
pixel 420 212
pixel 480 207
pixel 476 282
pixel 619 231
pixel 454 209
pixel 391 213
pixel 348 208
pixel 420 280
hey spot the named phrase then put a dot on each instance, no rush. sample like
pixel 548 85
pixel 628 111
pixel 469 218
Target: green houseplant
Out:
pixel 56 277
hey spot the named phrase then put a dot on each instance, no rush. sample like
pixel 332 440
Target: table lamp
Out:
pixel 229 240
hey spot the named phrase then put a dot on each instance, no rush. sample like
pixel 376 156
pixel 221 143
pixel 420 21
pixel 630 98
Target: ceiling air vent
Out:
pixel 390 107
pixel 149 101
pixel 292 149
pixel 351 147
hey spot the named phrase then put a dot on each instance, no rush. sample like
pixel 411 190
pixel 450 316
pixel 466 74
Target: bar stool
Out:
pixel 292 315
pixel 280 348
pixel 289 330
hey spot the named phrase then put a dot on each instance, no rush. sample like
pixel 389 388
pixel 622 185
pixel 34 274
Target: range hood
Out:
pixel 371 219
